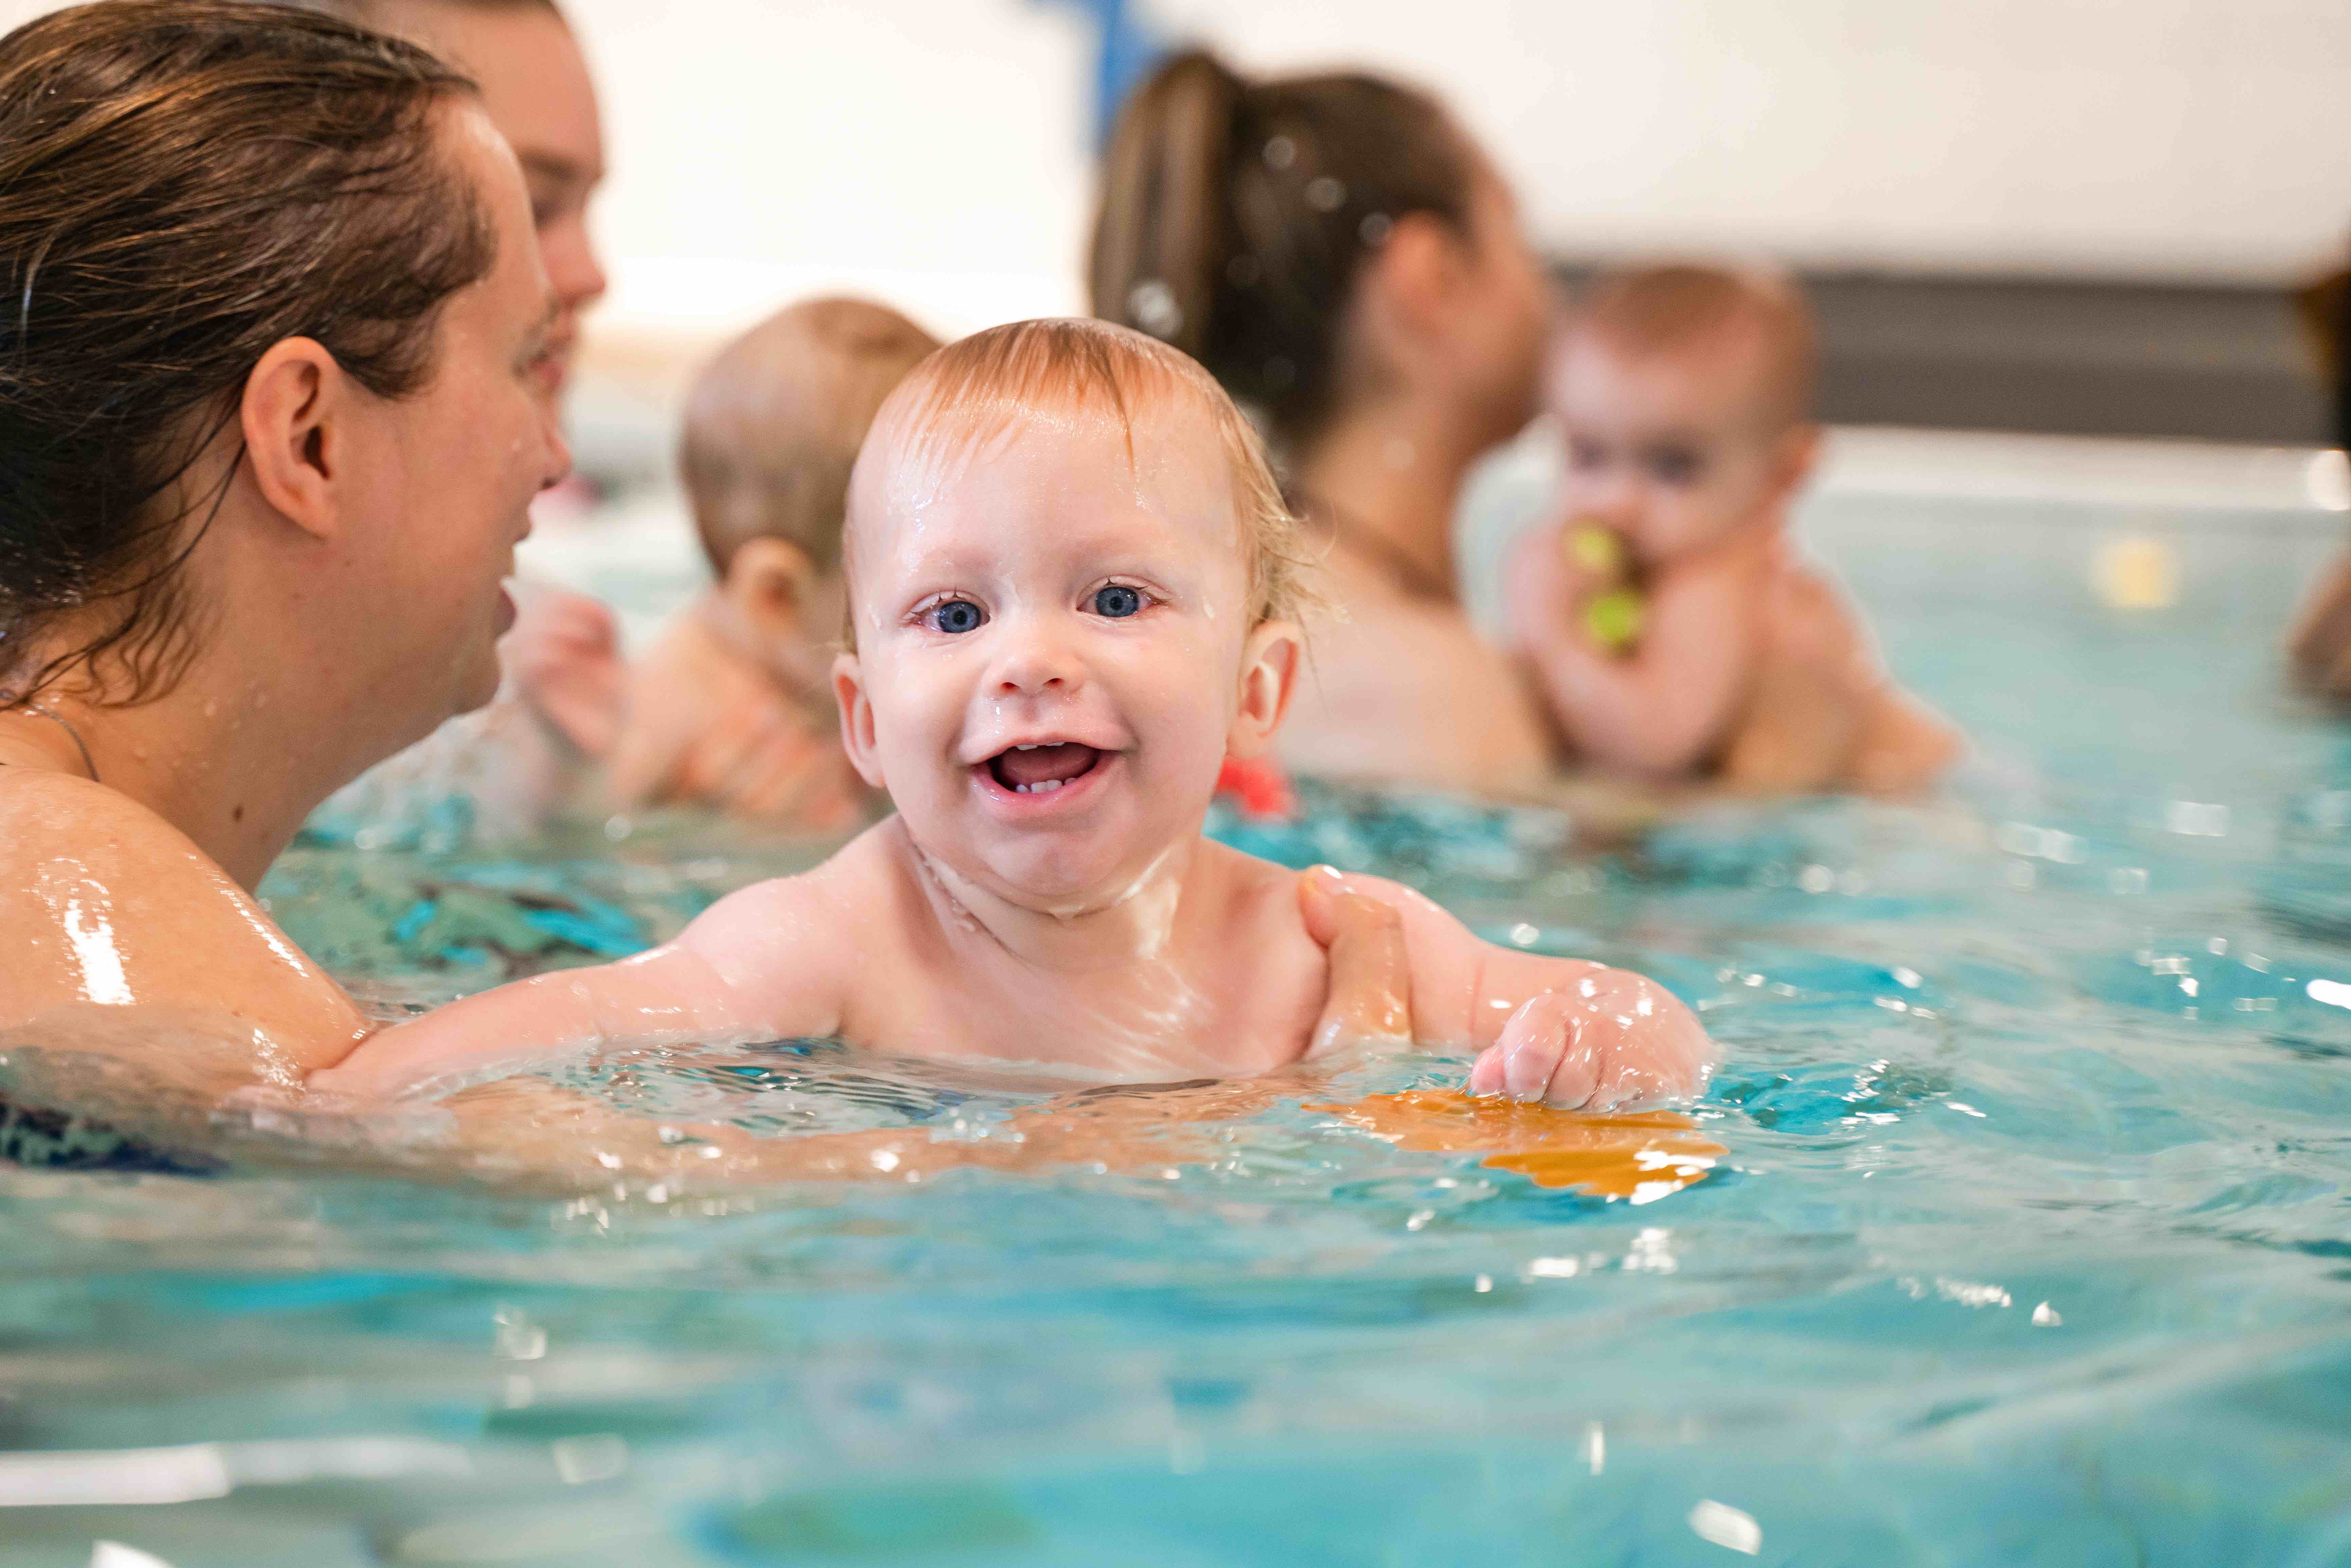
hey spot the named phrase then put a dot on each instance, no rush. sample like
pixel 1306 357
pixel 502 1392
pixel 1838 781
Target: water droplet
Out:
pixel 1151 305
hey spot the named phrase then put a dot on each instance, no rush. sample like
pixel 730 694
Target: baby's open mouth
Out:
pixel 1041 770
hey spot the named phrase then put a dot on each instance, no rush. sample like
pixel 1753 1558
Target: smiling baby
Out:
pixel 1072 587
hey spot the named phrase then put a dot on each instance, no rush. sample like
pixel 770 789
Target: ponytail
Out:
pixel 1234 216
pixel 1160 239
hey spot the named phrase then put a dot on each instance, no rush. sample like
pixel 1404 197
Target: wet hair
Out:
pixel 183 184
pixel 774 422
pixel 975 390
pixel 382 14
pixel 1235 215
pixel 1674 306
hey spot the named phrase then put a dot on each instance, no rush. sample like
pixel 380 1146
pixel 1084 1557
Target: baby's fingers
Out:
pixel 1486 1072
pixel 1544 1055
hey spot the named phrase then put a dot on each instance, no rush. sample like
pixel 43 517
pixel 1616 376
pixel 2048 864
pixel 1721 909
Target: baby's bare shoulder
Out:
pixel 834 902
pixel 794 950
pixel 1815 590
pixel 1249 882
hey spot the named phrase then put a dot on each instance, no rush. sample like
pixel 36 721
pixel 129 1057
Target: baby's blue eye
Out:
pixel 956 616
pixel 1117 601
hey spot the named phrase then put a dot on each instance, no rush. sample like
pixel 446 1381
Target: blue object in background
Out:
pixel 1129 46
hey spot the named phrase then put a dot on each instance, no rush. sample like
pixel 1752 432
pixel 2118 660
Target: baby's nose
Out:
pixel 1615 488
pixel 1035 663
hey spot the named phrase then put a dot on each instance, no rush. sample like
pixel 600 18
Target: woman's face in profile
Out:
pixel 536 92
pixel 460 459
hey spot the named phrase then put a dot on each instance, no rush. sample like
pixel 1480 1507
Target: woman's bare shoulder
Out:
pixel 103 901
pixel 53 821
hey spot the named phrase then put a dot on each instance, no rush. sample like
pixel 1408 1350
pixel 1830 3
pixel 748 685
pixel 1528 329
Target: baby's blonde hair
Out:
pixel 975 389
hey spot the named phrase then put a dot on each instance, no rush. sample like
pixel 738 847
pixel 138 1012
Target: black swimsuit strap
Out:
pixel 56 1140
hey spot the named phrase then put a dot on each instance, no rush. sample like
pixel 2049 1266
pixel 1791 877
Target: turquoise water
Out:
pixel 2028 1241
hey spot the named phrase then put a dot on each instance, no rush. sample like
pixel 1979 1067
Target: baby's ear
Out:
pixel 856 720
pixel 1794 456
pixel 772 584
pixel 1269 661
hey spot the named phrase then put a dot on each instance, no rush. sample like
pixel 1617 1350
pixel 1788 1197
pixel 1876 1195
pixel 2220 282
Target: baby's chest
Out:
pixel 1146 1023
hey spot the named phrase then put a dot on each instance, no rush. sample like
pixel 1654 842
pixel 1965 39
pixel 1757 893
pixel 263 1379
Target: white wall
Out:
pixel 934 150
pixel 2192 138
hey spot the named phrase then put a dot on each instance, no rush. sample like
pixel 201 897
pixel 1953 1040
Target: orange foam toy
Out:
pixel 1641 1156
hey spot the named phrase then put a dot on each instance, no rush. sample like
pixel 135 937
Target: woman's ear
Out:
pixel 772 584
pixel 856 720
pixel 1269 661
pixel 1412 276
pixel 295 415
pixel 1402 315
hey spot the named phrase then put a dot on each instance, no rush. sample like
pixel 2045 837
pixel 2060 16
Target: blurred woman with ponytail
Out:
pixel 1345 260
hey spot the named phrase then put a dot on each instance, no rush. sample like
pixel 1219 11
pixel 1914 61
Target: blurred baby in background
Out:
pixel 732 707
pixel 1667 615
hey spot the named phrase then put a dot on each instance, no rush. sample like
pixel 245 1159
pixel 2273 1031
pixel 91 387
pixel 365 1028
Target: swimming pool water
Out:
pixel 2027 1240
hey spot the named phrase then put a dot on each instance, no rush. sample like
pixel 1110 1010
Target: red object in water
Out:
pixel 1259 786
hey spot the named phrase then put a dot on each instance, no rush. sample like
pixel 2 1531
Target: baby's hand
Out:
pixel 563 653
pixel 1555 575
pixel 1607 1040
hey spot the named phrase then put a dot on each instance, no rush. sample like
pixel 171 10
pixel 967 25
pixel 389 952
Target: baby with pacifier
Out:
pixel 1072 584
pixel 1668 616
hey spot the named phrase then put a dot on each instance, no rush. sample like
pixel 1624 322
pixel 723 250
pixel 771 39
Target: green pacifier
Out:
pixel 1612 618
pixel 1597 550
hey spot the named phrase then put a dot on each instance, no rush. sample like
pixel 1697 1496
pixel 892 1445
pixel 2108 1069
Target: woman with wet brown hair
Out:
pixel 272 415
pixel 1344 259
